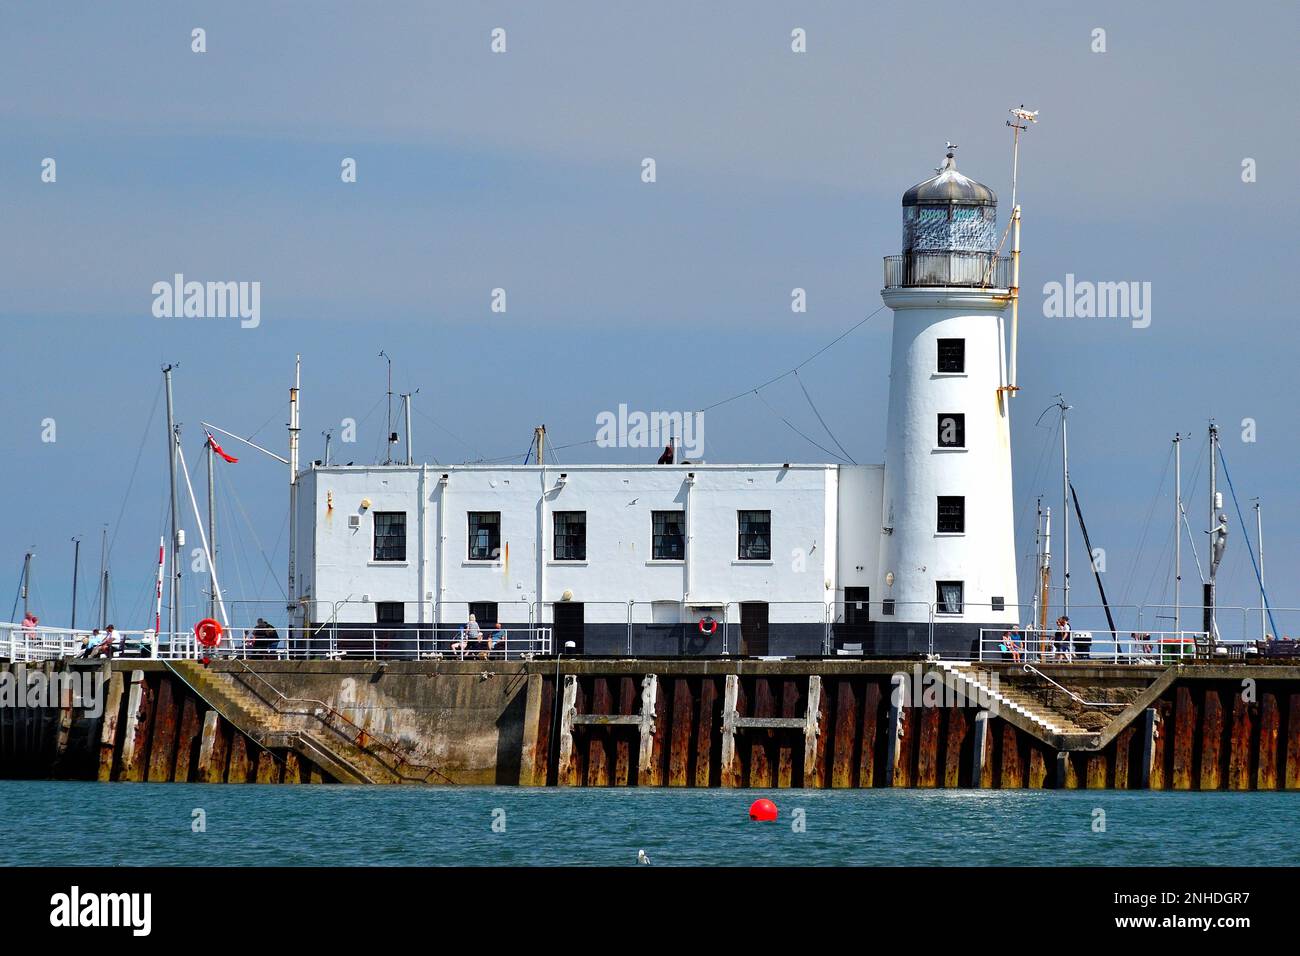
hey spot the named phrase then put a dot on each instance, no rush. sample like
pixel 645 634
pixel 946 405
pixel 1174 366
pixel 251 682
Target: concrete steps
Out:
pixel 979 682
pixel 296 727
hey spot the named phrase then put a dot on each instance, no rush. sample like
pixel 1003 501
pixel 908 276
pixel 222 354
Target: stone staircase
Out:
pixel 978 683
pixel 309 728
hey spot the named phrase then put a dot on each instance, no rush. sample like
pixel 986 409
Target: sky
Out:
pixel 522 170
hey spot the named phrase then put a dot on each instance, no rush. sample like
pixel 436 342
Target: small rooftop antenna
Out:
pixel 1022 118
pixel 388 433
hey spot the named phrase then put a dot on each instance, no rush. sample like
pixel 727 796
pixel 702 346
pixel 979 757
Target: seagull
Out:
pixel 641 857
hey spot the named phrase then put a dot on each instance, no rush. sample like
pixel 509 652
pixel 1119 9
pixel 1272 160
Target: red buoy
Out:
pixel 762 810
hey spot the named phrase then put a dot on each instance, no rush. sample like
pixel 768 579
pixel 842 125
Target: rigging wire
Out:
pixel 1146 528
pixel 755 389
pixel 1246 535
pixel 117 525
pixel 820 419
pixel 796 430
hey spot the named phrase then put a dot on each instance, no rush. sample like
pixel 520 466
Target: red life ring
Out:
pixel 208 632
pixel 712 625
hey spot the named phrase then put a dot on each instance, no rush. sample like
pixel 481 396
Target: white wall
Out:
pixel 917 471
pixel 859 502
pixel 806 536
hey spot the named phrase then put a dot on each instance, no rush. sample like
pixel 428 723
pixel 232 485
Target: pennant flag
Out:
pixel 217 448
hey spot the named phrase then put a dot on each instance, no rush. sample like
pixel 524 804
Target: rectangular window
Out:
pixel 887 606
pixel 952 514
pixel 484 535
pixel 668 535
pixel 755 536
pixel 570 536
pixel 390 612
pixel 947 597
pixel 390 535
pixel 952 430
pixel 952 355
pixel 999 603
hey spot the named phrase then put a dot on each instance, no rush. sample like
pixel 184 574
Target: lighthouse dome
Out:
pixel 950 187
pixel 950 212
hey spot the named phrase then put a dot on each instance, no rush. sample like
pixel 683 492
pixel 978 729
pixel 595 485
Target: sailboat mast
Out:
pixel 1038 557
pixel 103 580
pixel 174 625
pixel 293 491
pixel 1065 508
pixel 1211 624
pixel 27 579
pixel 212 530
pixel 1045 580
pixel 1263 604
pixel 1178 538
pixel 76 561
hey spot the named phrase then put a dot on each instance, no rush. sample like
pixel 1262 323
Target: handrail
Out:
pixel 361 731
pixel 1030 668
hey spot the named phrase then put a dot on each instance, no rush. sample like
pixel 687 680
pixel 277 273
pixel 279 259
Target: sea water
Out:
pixel 50 823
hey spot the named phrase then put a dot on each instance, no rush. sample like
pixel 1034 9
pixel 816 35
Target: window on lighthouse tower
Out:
pixel 952 514
pixel 952 430
pixel 952 356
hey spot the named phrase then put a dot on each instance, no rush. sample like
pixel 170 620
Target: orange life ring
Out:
pixel 712 625
pixel 208 632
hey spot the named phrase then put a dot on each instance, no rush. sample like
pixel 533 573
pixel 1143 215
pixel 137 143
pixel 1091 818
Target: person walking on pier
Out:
pixel 263 637
pixel 470 635
pixel 1064 639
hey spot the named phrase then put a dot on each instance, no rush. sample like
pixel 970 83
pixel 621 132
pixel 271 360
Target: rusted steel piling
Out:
pixel 674 724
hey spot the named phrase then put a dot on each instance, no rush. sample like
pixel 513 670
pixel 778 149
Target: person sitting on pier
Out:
pixel 107 644
pixel 30 621
pixel 1010 646
pixel 88 644
pixel 497 636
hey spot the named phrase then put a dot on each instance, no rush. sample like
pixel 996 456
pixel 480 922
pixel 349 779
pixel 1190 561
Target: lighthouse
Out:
pixel 947 548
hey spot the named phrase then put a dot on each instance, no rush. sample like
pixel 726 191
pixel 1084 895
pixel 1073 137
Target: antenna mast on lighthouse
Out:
pixel 1023 118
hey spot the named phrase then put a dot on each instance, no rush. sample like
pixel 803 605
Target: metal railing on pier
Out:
pixel 1033 646
pixel 522 630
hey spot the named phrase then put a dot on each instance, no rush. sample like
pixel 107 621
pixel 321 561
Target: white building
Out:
pixel 788 559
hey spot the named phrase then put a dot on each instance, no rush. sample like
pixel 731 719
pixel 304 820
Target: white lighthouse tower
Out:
pixel 947 542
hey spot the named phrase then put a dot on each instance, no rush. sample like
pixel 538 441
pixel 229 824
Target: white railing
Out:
pixel 1033 646
pixel 333 642
pixel 435 630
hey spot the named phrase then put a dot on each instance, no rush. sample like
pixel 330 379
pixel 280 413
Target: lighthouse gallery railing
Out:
pixel 979 270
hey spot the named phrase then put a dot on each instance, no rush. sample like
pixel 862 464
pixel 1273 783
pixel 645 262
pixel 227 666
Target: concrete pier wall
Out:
pixel 683 723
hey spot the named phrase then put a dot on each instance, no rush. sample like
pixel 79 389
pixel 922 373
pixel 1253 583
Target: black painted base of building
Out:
pixel 874 639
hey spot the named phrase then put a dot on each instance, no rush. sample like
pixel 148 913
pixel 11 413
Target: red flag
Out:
pixel 217 448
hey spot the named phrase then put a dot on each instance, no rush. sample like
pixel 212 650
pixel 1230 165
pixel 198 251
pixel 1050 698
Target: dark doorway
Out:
pixel 753 629
pixel 391 618
pixel 568 626
pixel 853 633
pixel 485 613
